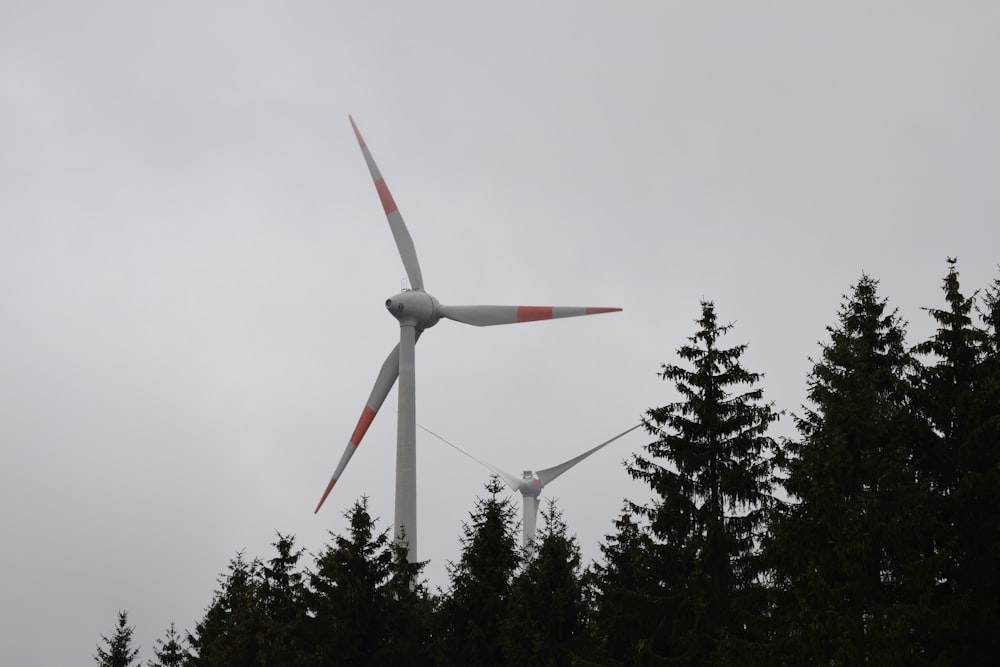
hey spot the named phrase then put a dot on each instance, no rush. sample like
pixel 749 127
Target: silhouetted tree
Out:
pixel 471 613
pixel 369 607
pixel 118 651
pixel 959 398
pixel 626 612
pixel 711 470
pixel 169 651
pixel 849 554
pixel 230 631
pixel 410 613
pixel 977 503
pixel 545 612
pixel 282 605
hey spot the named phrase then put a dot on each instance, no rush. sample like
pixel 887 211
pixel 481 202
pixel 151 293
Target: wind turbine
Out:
pixel 416 311
pixel 531 483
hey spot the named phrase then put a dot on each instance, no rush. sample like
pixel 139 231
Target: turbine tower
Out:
pixel 416 310
pixel 531 482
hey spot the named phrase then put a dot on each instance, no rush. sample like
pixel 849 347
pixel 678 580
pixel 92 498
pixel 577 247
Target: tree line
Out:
pixel 871 536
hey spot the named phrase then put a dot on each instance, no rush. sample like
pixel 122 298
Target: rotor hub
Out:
pixel 530 485
pixel 414 308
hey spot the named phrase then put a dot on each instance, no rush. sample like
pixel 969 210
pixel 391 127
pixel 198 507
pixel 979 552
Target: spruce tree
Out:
pixel 410 611
pixel 367 603
pixel 545 613
pixel 169 651
pixel 711 470
pixel 472 611
pixel 344 599
pixel 978 497
pixel 281 593
pixel 959 398
pixel 625 608
pixel 118 651
pixel 948 381
pixel 849 553
pixel 230 631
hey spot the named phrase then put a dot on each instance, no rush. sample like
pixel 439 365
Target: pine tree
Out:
pixel 959 398
pixel 230 631
pixel 625 609
pixel 410 615
pixel 283 606
pixel 990 315
pixel 118 651
pixel 545 613
pixel 368 604
pixel 849 554
pixel 711 469
pixel 169 651
pixel 978 499
pixel 472 611
pixel 949 381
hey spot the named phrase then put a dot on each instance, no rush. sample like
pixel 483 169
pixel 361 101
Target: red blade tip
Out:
pixel 329 487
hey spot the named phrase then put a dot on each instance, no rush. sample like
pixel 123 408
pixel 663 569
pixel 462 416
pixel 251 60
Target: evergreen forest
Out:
pixel 872 536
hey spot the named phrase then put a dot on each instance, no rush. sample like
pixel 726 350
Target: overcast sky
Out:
pixel 193 260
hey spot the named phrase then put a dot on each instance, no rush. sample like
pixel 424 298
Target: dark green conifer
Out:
pixel 368 604
pixel 711 470
pixel 283 608
pixel 850 551
pixel 626 611
pixel 409 618
pixel 230 631
pixel 960 400
pixel 545 612
pixel 118 650
pixel 169 650
pixel 472 611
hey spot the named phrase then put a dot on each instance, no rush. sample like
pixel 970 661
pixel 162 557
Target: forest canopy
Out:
pixel 871 536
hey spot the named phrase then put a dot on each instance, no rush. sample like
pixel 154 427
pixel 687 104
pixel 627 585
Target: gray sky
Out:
pixel 193 260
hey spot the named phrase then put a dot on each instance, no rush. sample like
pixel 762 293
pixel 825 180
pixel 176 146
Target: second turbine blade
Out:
pixel 485 316
pixel 404 242
pixel 383 383
pixel 548 474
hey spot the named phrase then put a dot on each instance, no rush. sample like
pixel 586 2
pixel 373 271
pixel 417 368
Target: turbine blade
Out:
pixel 485 316
pixel 549 474
pixel 404 243
pixel 386 378
pixel 513 481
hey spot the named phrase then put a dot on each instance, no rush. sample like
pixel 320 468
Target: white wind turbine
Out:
pixel 416 311
pixel 531 482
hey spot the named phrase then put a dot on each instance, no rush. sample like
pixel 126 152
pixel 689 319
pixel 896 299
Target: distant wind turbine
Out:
pixel 416 311
pixel 531 482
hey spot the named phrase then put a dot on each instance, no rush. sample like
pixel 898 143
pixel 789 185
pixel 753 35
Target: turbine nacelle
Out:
pixel 529 484
pixel 414 308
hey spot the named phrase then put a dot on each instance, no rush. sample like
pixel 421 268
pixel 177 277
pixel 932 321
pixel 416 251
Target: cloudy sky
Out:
pixel 193 260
